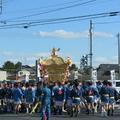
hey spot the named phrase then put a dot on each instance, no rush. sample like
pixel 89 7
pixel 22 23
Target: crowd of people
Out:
pixel 70 97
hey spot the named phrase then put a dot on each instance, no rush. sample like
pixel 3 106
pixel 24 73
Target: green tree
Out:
pixel 9 66
pixel 84 62
pixel 18 66
pixel 73 67
pixel 84 68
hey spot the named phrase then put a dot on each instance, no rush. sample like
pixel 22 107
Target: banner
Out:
pixel 27 77
pixel 112 74
pixel 75 75
pixel 38 70
pixel 94 75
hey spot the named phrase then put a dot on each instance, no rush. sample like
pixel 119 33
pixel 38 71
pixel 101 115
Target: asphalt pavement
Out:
pixel 58 117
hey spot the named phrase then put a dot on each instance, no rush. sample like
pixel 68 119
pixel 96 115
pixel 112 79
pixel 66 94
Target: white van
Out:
pixel 116 84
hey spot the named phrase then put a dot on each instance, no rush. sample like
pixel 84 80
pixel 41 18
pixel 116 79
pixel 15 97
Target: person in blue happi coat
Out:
pixel 59 95
pixel 69 88
pixel 29 97
pixel 113 94
pixel 76 95
pixel 17 96
pixel 45 102
pixel 104 94
pixel 91 94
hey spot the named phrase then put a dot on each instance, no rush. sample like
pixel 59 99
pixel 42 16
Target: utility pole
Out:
pixel 118 36
pixel 0 6
pixel 90 54
pixel 37 71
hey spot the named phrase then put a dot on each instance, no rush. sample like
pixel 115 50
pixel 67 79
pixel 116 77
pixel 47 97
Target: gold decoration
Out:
pixel 53 52
pixel 55 67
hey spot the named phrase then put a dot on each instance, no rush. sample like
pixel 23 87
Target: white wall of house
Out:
pixel 3 75
pixel 23 75
pixel 23 72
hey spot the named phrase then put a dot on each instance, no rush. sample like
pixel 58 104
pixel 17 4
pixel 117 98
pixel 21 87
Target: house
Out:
pixel 25 70
pixel 23 75
pixel 31 70
pixel 104 71
pixel 3 75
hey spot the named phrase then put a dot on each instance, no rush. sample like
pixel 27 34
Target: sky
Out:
pixel 26 45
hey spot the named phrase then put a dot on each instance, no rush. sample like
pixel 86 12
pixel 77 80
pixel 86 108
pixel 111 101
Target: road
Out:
pixel 58 117
pixel 81 116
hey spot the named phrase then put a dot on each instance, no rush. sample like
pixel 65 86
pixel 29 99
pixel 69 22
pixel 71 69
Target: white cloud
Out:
pixel 103 34
pixel 71 35
pixel 63 34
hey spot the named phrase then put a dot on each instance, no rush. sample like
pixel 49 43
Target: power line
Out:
pixel 54 10
pixel 26 25
pixel 61 20
pixel 46 7
pixel 50 6
pixel 65 21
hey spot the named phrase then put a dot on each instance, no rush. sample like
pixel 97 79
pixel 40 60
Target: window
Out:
pixel 107 73
pixel 21 73
pixel 117 84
